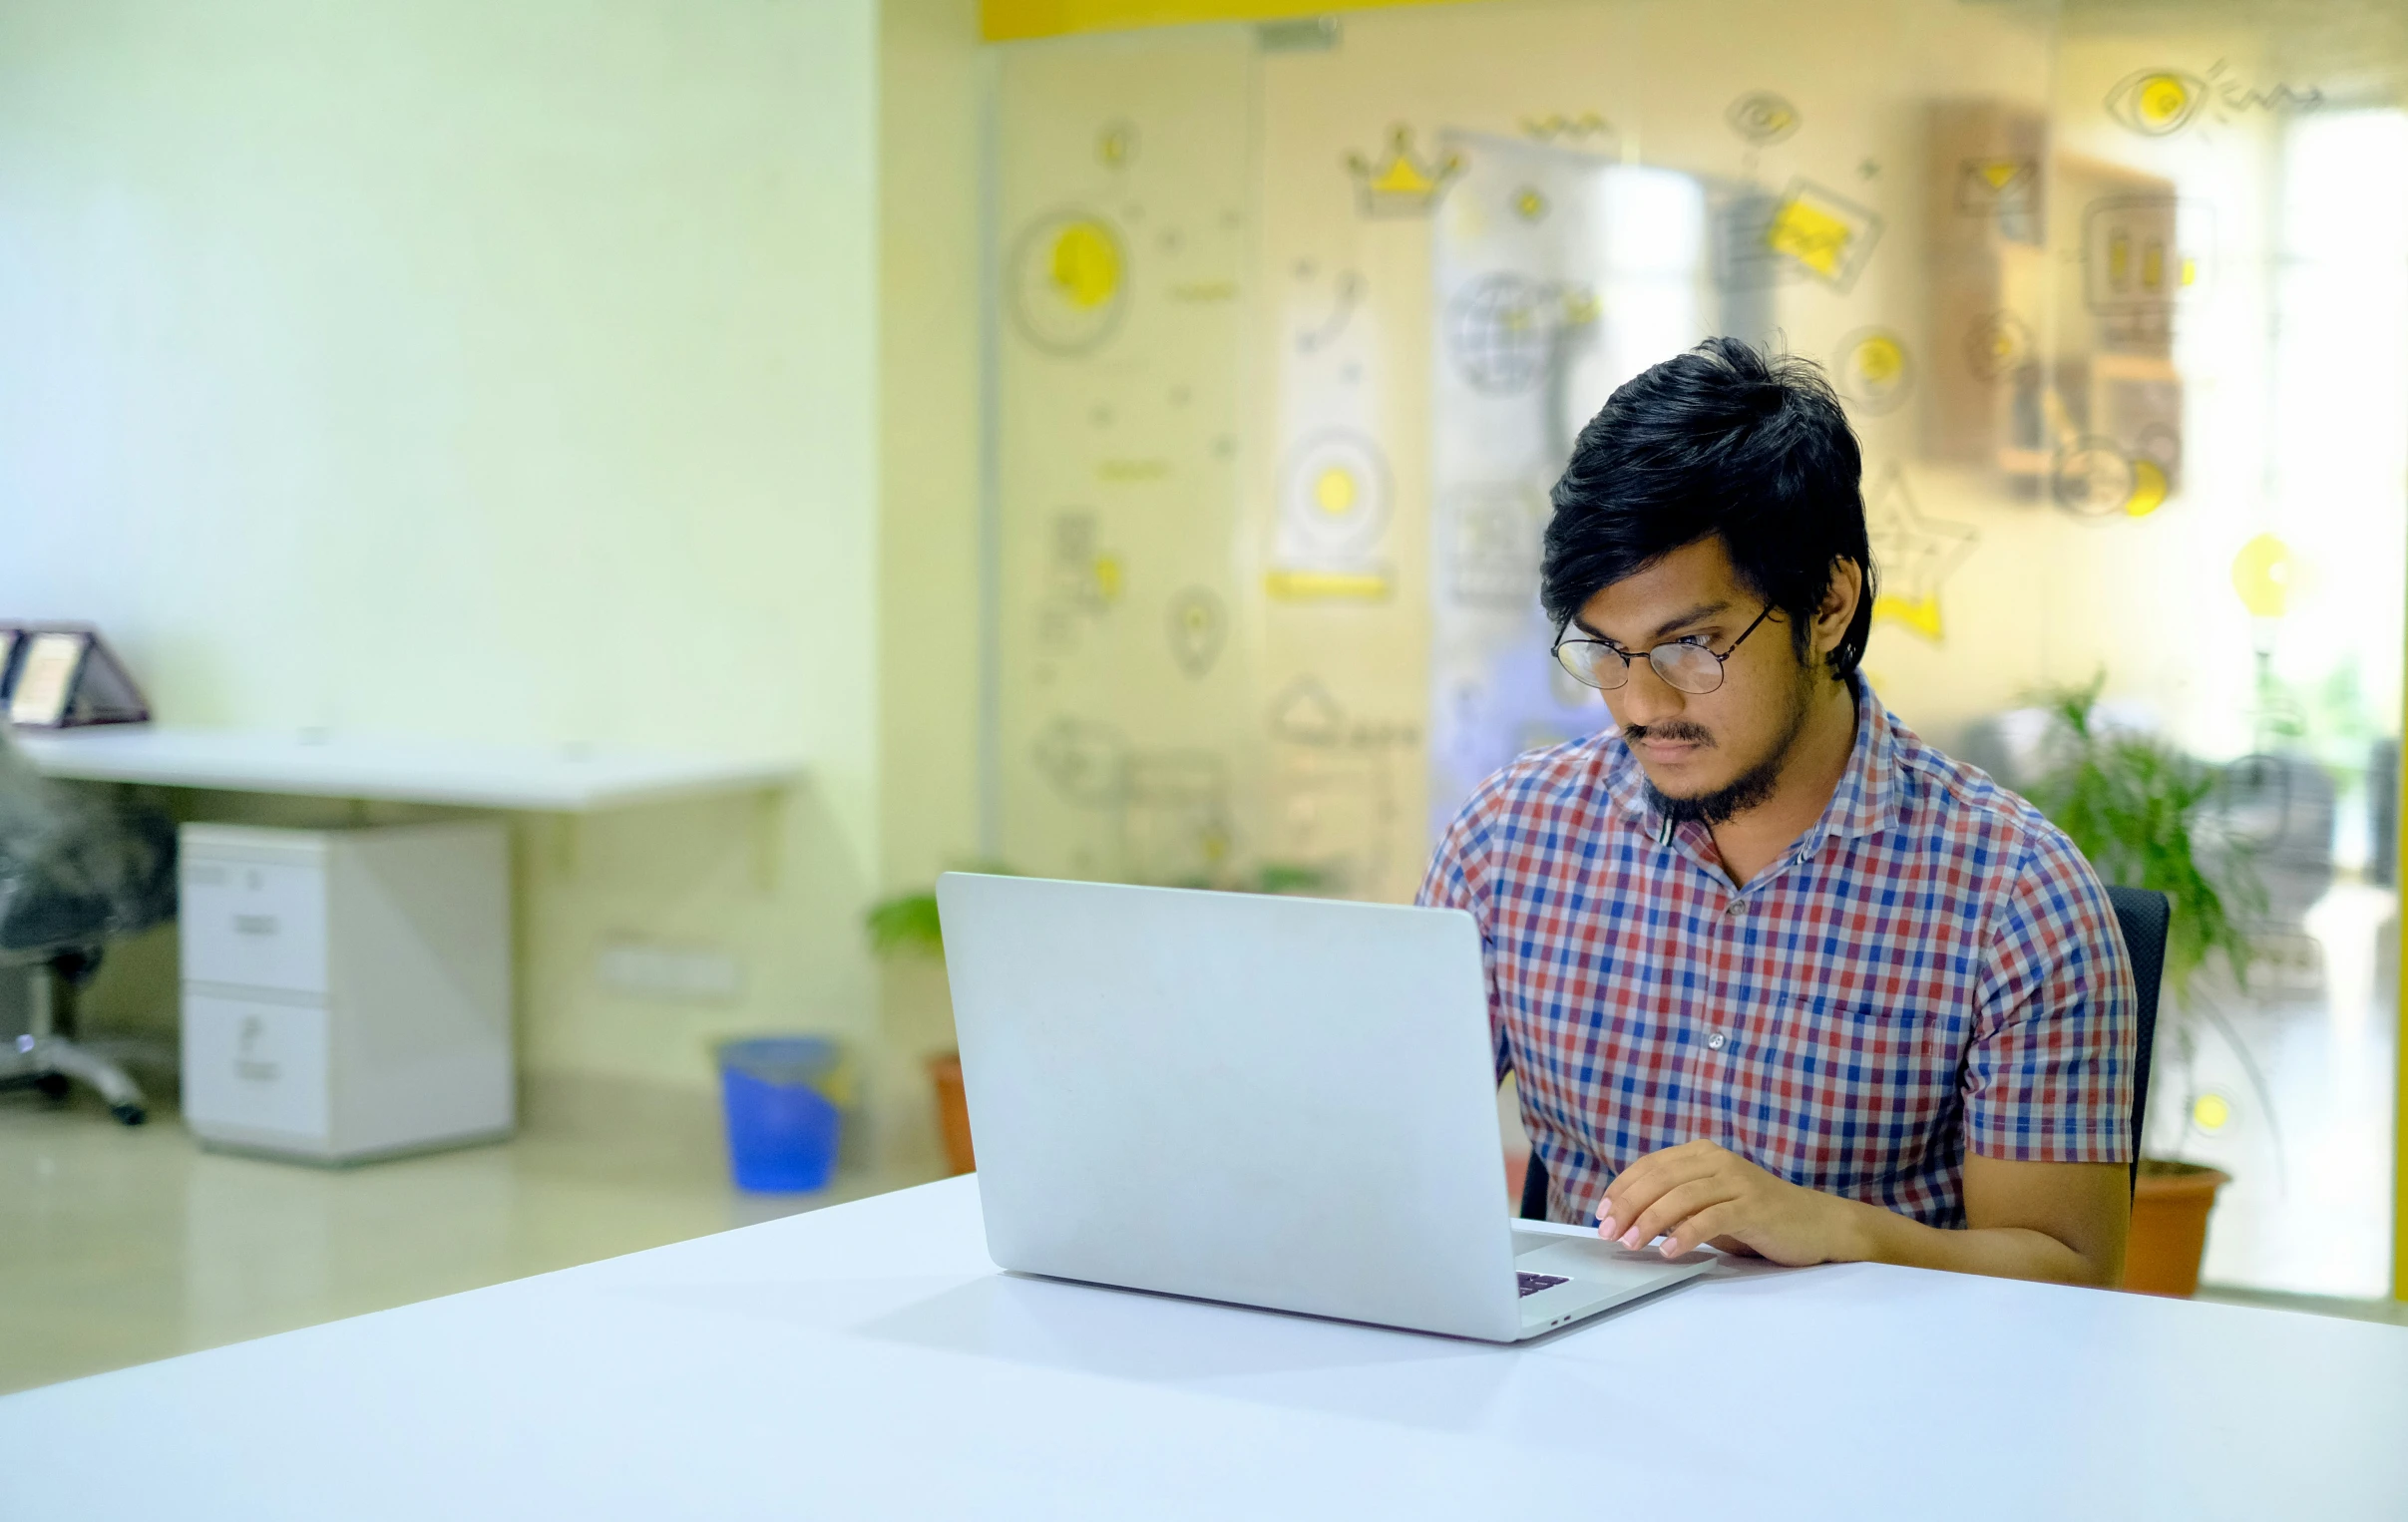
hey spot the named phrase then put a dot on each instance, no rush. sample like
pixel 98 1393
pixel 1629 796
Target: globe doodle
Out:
pixel 1501 330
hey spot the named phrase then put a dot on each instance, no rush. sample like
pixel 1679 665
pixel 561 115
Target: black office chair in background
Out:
pixel 80 866
pixel 2143 914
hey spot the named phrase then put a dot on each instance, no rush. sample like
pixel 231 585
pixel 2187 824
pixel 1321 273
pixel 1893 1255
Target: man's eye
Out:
pixel 1694 641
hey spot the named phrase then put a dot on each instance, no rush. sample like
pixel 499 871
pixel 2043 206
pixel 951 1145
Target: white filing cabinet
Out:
pixel 346 992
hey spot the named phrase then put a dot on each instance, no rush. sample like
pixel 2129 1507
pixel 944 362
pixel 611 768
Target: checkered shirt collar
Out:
pixel 1860 805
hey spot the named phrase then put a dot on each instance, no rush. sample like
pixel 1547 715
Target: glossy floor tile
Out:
pixel 119 1246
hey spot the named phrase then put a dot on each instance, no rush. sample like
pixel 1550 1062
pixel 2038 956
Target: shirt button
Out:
pixel 1715 1041
pixel 1733 907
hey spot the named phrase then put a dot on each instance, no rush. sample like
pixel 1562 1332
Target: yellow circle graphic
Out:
pixel 2161 101
pixel 1875 372
pixel 1333 491
pixel 2211 1112
pixel 1880 359
pixel 1070 279
pixel 1086 264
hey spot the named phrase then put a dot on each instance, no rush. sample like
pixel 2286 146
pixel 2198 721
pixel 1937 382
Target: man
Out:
pixel 1774 973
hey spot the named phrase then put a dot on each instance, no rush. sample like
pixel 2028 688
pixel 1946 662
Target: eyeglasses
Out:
pixel 1688 665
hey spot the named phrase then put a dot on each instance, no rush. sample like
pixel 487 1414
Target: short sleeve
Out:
pixel 2049 1076
pixel 1456 879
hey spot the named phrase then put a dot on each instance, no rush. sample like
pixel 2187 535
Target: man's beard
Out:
pixel 1741 793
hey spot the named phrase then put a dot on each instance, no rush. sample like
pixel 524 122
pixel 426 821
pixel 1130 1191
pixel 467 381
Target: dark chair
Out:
pixel 2143 915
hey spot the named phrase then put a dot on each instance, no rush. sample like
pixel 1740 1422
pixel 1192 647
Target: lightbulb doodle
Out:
pixel 1399 182
pixel 1915 556
pixel 1874 370
pixel 2096 477
pixel 2159 101
pixel 1762 118
pixel 1068 274
pixel 2264 575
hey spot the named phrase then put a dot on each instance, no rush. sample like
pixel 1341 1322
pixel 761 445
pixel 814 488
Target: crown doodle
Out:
pixel 1402 184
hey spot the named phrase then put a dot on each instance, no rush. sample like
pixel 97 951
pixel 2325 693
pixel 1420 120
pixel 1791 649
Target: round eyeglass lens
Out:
pixel 1591 665
pixel 1688 667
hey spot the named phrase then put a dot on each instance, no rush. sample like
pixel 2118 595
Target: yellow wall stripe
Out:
pixel 1016 20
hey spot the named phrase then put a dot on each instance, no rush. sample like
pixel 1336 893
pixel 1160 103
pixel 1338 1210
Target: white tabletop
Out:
pixel 566 779
pixel 867 1361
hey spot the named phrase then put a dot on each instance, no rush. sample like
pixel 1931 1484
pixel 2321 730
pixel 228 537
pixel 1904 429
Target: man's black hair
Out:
pixel 1720 440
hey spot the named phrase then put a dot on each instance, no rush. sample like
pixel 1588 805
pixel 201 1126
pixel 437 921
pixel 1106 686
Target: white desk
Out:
pixel 566 779
pixel 866 1360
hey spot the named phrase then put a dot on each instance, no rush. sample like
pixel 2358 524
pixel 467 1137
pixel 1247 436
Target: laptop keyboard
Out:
pixel 1534 1283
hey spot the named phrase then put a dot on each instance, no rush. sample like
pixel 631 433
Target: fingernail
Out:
pixel 1630 1237
pixel 1605 1225
pixel 1670 1247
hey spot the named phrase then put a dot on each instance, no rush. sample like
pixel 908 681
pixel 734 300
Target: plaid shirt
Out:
pixel 1932 966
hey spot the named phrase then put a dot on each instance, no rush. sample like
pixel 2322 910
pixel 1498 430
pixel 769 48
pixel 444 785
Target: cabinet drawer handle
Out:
pixel 254 925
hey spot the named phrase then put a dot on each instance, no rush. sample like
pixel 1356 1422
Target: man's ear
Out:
pixel 1838 611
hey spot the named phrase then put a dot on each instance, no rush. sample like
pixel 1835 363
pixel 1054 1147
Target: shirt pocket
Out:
pixel 1878 1085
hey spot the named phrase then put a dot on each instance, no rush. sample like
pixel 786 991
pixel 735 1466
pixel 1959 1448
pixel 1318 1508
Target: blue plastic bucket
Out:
pixel 781 1123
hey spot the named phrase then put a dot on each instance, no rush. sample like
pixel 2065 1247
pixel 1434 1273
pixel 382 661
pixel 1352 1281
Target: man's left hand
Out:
pixel 1701 1191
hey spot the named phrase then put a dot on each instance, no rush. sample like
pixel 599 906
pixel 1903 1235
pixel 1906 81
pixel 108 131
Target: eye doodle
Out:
pixel 2157 102
pixel 1763 117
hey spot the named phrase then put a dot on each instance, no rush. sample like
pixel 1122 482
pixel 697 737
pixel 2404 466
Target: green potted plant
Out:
pixel 2134 805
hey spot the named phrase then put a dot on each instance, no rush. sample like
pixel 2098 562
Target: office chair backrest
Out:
pixel 2141 913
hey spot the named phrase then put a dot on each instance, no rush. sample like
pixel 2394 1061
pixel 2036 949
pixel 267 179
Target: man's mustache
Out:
pixel 1673 734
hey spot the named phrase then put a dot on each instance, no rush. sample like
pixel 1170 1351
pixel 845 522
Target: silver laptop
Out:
pixel 1279 1102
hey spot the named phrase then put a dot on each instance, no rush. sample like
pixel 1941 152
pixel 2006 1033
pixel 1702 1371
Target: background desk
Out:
pixel 570 779
pixel 866 1360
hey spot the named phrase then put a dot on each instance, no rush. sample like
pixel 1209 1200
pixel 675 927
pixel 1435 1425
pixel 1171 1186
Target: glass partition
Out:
pixel 1294 322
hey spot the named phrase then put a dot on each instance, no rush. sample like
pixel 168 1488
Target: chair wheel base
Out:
pixel 128 1114
pixel 52 1085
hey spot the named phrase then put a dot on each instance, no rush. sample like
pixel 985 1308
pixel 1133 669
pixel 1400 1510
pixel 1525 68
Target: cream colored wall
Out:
pixel 504 372
pixel 930 79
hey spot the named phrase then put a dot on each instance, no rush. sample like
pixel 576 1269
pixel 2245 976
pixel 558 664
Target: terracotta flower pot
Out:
pixel 2170 1209
pixel 953 1112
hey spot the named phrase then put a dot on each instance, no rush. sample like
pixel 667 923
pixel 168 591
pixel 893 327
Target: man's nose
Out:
pixel 1646 698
